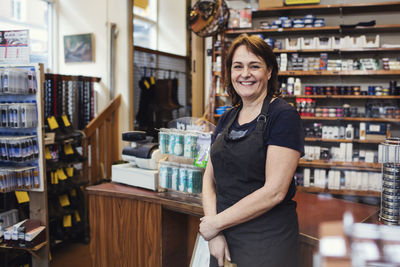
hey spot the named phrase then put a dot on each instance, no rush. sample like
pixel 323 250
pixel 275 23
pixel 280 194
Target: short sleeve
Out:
pixel 287 131
pixel 221 124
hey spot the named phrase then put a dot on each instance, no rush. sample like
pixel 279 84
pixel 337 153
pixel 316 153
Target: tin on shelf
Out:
pixel 390 195
pixel 163 139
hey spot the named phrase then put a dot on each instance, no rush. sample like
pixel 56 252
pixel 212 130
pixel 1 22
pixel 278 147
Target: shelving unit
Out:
pixel 67 222
pixel 37 196
pixel 338 192
pixel 336 15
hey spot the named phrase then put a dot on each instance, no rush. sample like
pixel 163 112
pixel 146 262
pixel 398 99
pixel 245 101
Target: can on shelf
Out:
pixel 171 142
pixel 190 145
pixel 163 139
pixel 164 175
pixel 390 195
pixel 175 179
pixel 179 144
pixel 183 175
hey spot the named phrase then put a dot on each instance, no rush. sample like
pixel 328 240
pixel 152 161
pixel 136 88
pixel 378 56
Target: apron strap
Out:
pixel 263 118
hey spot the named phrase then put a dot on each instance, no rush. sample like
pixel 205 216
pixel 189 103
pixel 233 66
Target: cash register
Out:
pixel 143 156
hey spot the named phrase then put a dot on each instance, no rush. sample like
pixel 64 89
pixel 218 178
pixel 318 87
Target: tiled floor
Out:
pixel 71 254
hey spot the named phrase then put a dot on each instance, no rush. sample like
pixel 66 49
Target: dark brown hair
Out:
pixel 257 46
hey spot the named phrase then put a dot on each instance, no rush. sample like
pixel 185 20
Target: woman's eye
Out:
pixel 237 67
pixel 255 67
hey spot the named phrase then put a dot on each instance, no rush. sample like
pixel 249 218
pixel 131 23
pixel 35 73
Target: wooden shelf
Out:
pixel 344 96
pixel 222 95
pixel 32 251
pixel 361 166
pixel 350 119
pixel 332 29
pixel 327 9
pixel 338 192
pixel 217 73
pixel 315 139
pixel 339 73
pixel 313 30
pixel 343 50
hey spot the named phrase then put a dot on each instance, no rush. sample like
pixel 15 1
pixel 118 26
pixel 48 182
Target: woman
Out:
pixel 248 186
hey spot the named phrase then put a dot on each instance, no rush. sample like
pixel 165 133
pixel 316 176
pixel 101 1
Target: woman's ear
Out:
pixel 269 72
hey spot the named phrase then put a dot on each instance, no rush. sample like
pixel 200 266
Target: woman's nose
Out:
pixel 245 72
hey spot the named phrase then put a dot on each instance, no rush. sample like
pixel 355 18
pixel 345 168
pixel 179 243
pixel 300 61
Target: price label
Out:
pixel 68 149
pixel 70 171
pixel 61 174
pixel 67 220
pixel 22 196
pixel 73 192
pixel 52 123
pixel 77 216
pixel 66 120
pixel 47 153
pixel 146 83
pixel 64 200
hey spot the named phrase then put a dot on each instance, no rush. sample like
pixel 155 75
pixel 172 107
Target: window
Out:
pixel 18 10
pixel 145 18
pixel 36 21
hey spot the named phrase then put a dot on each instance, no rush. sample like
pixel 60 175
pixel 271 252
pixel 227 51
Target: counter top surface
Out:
pixel 311 209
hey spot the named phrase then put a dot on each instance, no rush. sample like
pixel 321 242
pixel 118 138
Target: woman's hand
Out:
pixel 209 227
pixel 219 249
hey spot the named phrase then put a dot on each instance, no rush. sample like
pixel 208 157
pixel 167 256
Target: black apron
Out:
pixel 270 240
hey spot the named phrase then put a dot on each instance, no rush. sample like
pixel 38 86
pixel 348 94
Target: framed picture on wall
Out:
pixel 79 48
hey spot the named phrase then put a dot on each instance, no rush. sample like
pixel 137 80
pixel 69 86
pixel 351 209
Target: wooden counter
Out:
pixel 137 227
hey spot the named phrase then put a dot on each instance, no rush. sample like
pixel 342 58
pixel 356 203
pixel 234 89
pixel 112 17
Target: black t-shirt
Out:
pixel 285 126
pixel 284 129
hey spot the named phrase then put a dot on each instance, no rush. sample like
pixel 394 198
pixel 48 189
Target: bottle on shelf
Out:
pixel 349 132
pixel 297 87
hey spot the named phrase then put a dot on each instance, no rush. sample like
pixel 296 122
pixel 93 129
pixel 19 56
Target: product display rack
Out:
pixel 335 14
pixel 37 196
pixel 76 212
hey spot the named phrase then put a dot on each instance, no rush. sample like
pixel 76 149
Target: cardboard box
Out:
pixel 269 3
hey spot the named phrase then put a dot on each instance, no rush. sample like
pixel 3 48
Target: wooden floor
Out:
pixel 71 254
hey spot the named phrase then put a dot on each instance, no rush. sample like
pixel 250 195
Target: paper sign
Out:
pixel 14 47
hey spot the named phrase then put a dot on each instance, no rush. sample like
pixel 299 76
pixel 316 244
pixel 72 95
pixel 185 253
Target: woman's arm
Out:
pixel 217 245
pixel 209 198
pixel 280 166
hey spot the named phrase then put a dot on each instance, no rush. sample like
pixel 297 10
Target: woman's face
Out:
pixel 249 74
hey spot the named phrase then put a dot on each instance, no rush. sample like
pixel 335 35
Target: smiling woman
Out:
pixel 250 217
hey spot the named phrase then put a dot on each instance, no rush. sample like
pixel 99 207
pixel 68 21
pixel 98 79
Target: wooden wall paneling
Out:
pixel 174 237
pixel 124 232
pixel 148 241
